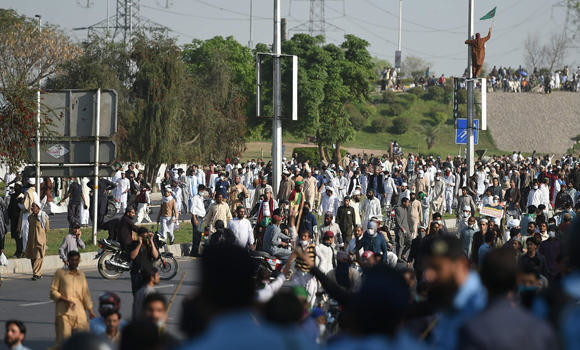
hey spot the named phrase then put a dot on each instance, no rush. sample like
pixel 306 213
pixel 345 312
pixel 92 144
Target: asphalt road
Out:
pixel 28 301
pixel 60 220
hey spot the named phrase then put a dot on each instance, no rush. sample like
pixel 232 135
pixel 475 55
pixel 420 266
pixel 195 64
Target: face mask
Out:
pixel 372 232
pixel 527 289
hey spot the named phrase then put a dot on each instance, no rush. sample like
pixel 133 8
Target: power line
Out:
pixel 449 30
pixel 203 17
pixel 228 10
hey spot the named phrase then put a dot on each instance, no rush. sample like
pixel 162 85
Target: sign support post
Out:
pixel 96 180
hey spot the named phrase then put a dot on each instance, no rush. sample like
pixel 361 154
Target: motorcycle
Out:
pixel 112 261
pixel 266 261
pixel 112 209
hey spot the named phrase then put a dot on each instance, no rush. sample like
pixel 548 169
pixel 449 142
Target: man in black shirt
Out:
pixel 14 216
pixel 103 191
pixel 142 252
pixel 126 228
pixel 76 199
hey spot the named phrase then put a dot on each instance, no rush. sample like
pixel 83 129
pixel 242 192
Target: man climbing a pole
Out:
pixel 478 52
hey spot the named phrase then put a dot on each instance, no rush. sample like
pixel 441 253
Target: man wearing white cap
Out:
pixel 30 196
pixel 463 217
pixel 329 202
pixel 390 189
pixel 437 193
pixel 36 244
pixel 168 215
pixel 404 193
pixel 355 203
pixel 449 180
pixel 421 183
pixel 370 208
pixel 310 187
pixel 121 192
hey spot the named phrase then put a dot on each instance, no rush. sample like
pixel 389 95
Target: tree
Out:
pixel 414 67
pixel 222 74
pixel 533 53
pixel 430 131
pixel 329 77
pixel 18 125
pixel 548 55
pixel 158 92
pixel 27 56
pixel 554 50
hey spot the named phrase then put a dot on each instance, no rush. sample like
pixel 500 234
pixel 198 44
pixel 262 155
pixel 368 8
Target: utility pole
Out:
pixel 251 42
pixel 470 84
pixel 276 121
pixel 400 23
pixel 398 54
pixel 38 117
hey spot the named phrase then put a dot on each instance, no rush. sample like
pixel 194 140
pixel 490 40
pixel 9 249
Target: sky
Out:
pixel 434 30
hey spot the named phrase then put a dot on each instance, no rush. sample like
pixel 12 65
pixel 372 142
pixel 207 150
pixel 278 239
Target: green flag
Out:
pixel 489 15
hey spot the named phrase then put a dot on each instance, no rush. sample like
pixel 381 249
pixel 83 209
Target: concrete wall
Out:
pixel 531 121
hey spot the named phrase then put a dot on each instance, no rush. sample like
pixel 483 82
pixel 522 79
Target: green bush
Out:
pixel 400 125
pixel 358 121
pixel 418 91
pixel 367 110
pixel 312 154
pixel 435 93
pixel 396 109
pixel 380 125
pixel 389 97
pixel 406 99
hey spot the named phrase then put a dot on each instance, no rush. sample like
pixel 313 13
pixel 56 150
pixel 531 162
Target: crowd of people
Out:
pixel 366 257
pixel 521 80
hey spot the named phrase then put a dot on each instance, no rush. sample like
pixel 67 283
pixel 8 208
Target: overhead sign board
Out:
pixel 80 152
pixel 69 171
pixel 73 112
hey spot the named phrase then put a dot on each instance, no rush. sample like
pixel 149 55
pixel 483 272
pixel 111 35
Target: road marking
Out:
pixel 164 286
pixel 35 304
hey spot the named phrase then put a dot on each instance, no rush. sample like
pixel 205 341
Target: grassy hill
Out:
pixel 420 110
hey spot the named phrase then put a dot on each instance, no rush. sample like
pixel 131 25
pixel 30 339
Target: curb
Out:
pixel 52 262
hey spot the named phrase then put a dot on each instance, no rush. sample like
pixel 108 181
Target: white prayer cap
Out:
pixel 356 193
pixel 37 203
pixel 404 184
pixel 513 223
pixel 328 188
pixel 467 208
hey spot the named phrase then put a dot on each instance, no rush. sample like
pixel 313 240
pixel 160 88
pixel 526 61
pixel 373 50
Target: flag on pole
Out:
pixel 489 15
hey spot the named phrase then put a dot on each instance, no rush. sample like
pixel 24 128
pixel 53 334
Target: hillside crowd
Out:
pixel 373 251
pixel 521 80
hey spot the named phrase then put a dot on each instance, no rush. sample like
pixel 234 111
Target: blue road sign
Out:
pixel 461 131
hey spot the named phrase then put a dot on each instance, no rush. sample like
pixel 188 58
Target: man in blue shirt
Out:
pixel 456 289
pixel 222 185
pixel 308 220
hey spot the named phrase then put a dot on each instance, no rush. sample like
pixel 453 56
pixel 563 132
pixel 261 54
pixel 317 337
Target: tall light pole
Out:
pixel 398 55
pixel 38 115
pixel 277 122
pixel 400 23
pixel 251 41
pixel 470 84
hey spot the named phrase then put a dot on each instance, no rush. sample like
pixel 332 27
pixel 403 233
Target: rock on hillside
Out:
pixel 530 121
